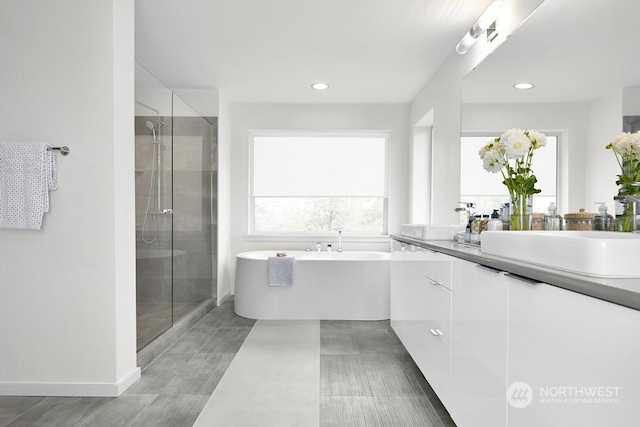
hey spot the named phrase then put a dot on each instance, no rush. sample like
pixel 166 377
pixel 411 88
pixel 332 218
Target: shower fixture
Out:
pixel 156 179
pixel 152 127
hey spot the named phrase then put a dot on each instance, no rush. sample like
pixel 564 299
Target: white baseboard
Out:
pixel 223 298
pixel 71 389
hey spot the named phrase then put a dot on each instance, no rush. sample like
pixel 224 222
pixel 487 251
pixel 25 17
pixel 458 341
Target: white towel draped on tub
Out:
pixel 28 170
pixel 281 271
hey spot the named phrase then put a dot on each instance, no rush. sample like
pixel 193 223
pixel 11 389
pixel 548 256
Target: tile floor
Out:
pixel 228 371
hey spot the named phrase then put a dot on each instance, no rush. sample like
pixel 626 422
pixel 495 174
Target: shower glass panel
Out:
pixel 194 142
pixel 154 222
pixel 176 188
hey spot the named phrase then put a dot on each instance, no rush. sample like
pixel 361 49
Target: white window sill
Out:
pixel 314 238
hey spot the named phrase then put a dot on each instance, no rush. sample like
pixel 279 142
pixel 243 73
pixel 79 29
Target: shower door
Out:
pixel 176 180
pixel 154 207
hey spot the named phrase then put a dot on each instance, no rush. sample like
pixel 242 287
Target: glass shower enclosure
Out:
pixel 175 168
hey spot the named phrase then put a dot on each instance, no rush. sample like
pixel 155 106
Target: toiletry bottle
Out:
pixel 603 221
pixel 552 221
pixel 504 216
pixel 496 223
pixel 467 231
pixel 476 229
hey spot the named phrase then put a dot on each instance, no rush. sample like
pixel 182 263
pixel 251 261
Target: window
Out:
pixel 319 183
pixel 487 190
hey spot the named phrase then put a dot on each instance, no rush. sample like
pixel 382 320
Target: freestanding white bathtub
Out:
pixel 327 286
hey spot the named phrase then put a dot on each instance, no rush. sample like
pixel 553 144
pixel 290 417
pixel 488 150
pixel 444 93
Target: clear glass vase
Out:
pixel 520 212
pixel 629 196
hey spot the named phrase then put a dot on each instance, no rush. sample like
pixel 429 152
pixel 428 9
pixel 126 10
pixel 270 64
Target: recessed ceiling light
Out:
pixel 320 86
pixel 523 86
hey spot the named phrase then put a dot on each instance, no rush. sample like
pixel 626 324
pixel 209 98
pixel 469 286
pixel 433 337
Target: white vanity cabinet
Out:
pixel 421 312
pixel 479 346
pixel 502 350
pixel 579 355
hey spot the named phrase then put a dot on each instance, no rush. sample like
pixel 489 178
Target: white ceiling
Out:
pixel 369 51
pixel 572 51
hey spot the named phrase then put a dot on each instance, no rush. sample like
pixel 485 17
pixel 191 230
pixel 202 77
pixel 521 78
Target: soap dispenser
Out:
pixel 603 221
pixel 495 224
pixel 552 221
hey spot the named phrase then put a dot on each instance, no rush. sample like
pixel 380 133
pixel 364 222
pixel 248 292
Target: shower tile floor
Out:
pixel 231 371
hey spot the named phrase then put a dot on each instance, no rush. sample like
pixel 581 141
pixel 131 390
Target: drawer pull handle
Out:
pixel 438 332
pixel 487 268
pixel 433 282
pixel 523 279
pixel 435 332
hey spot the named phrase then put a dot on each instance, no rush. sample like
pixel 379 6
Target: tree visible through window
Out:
pixel 319 183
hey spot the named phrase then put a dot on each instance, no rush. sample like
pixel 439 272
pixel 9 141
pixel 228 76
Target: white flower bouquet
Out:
pixel 512 153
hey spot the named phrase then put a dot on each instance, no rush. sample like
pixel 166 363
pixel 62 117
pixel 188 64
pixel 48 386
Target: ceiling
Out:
pixel 570 52
pixel 368 51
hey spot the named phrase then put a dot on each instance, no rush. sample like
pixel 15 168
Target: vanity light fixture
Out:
pixel 320 86
pixel 524 86
pixel 486 24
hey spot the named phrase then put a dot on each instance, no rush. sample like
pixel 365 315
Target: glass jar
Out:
pixel 537 221
pixel 579 221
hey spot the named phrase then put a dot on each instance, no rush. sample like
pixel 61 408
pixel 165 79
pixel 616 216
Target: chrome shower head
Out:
pixel 152 127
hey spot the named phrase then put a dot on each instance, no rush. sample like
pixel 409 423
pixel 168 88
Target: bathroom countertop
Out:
pixel 622 291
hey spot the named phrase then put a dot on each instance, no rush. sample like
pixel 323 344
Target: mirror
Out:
pixel 582 60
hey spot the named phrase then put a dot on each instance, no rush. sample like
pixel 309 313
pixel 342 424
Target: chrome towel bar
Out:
pixel 64 150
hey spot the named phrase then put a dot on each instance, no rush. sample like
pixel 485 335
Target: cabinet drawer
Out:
pixel 439 273
pixel 432 354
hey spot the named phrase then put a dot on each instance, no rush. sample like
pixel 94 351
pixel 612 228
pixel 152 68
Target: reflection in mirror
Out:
pixel 586 77
pixel 486 189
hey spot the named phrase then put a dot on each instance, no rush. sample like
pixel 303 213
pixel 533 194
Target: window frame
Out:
pixel 558 134
pixel 252 235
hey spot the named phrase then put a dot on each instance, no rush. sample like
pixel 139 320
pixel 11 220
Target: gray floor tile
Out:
pixel 343 375
pixel 156 377
pixel 376 341
pixel 406 412
pixel 191 342
pixel 226 340
pixel 11 407
pixel 338 341
pixel 371 324
pixel 201 375
pixel 118 412
pixel 171 411
pixel 366 379
pixel 56 411
pixel 388 377
pixel 336 324
pixel 348 411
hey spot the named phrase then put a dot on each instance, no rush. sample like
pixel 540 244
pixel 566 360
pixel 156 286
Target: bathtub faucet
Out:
pixel 339 240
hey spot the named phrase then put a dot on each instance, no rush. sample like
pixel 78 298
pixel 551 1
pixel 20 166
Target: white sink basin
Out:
pixel 431 231
pixel 592 253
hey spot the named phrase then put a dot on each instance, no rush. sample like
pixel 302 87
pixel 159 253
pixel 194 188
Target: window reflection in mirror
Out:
pixel 487 190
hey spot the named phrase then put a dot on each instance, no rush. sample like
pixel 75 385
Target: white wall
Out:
pixel 570 119
pixel 226 265
pixel 604 121
pixel 67 294
pixel 631 101
pixel 248 117
pixel 442 95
